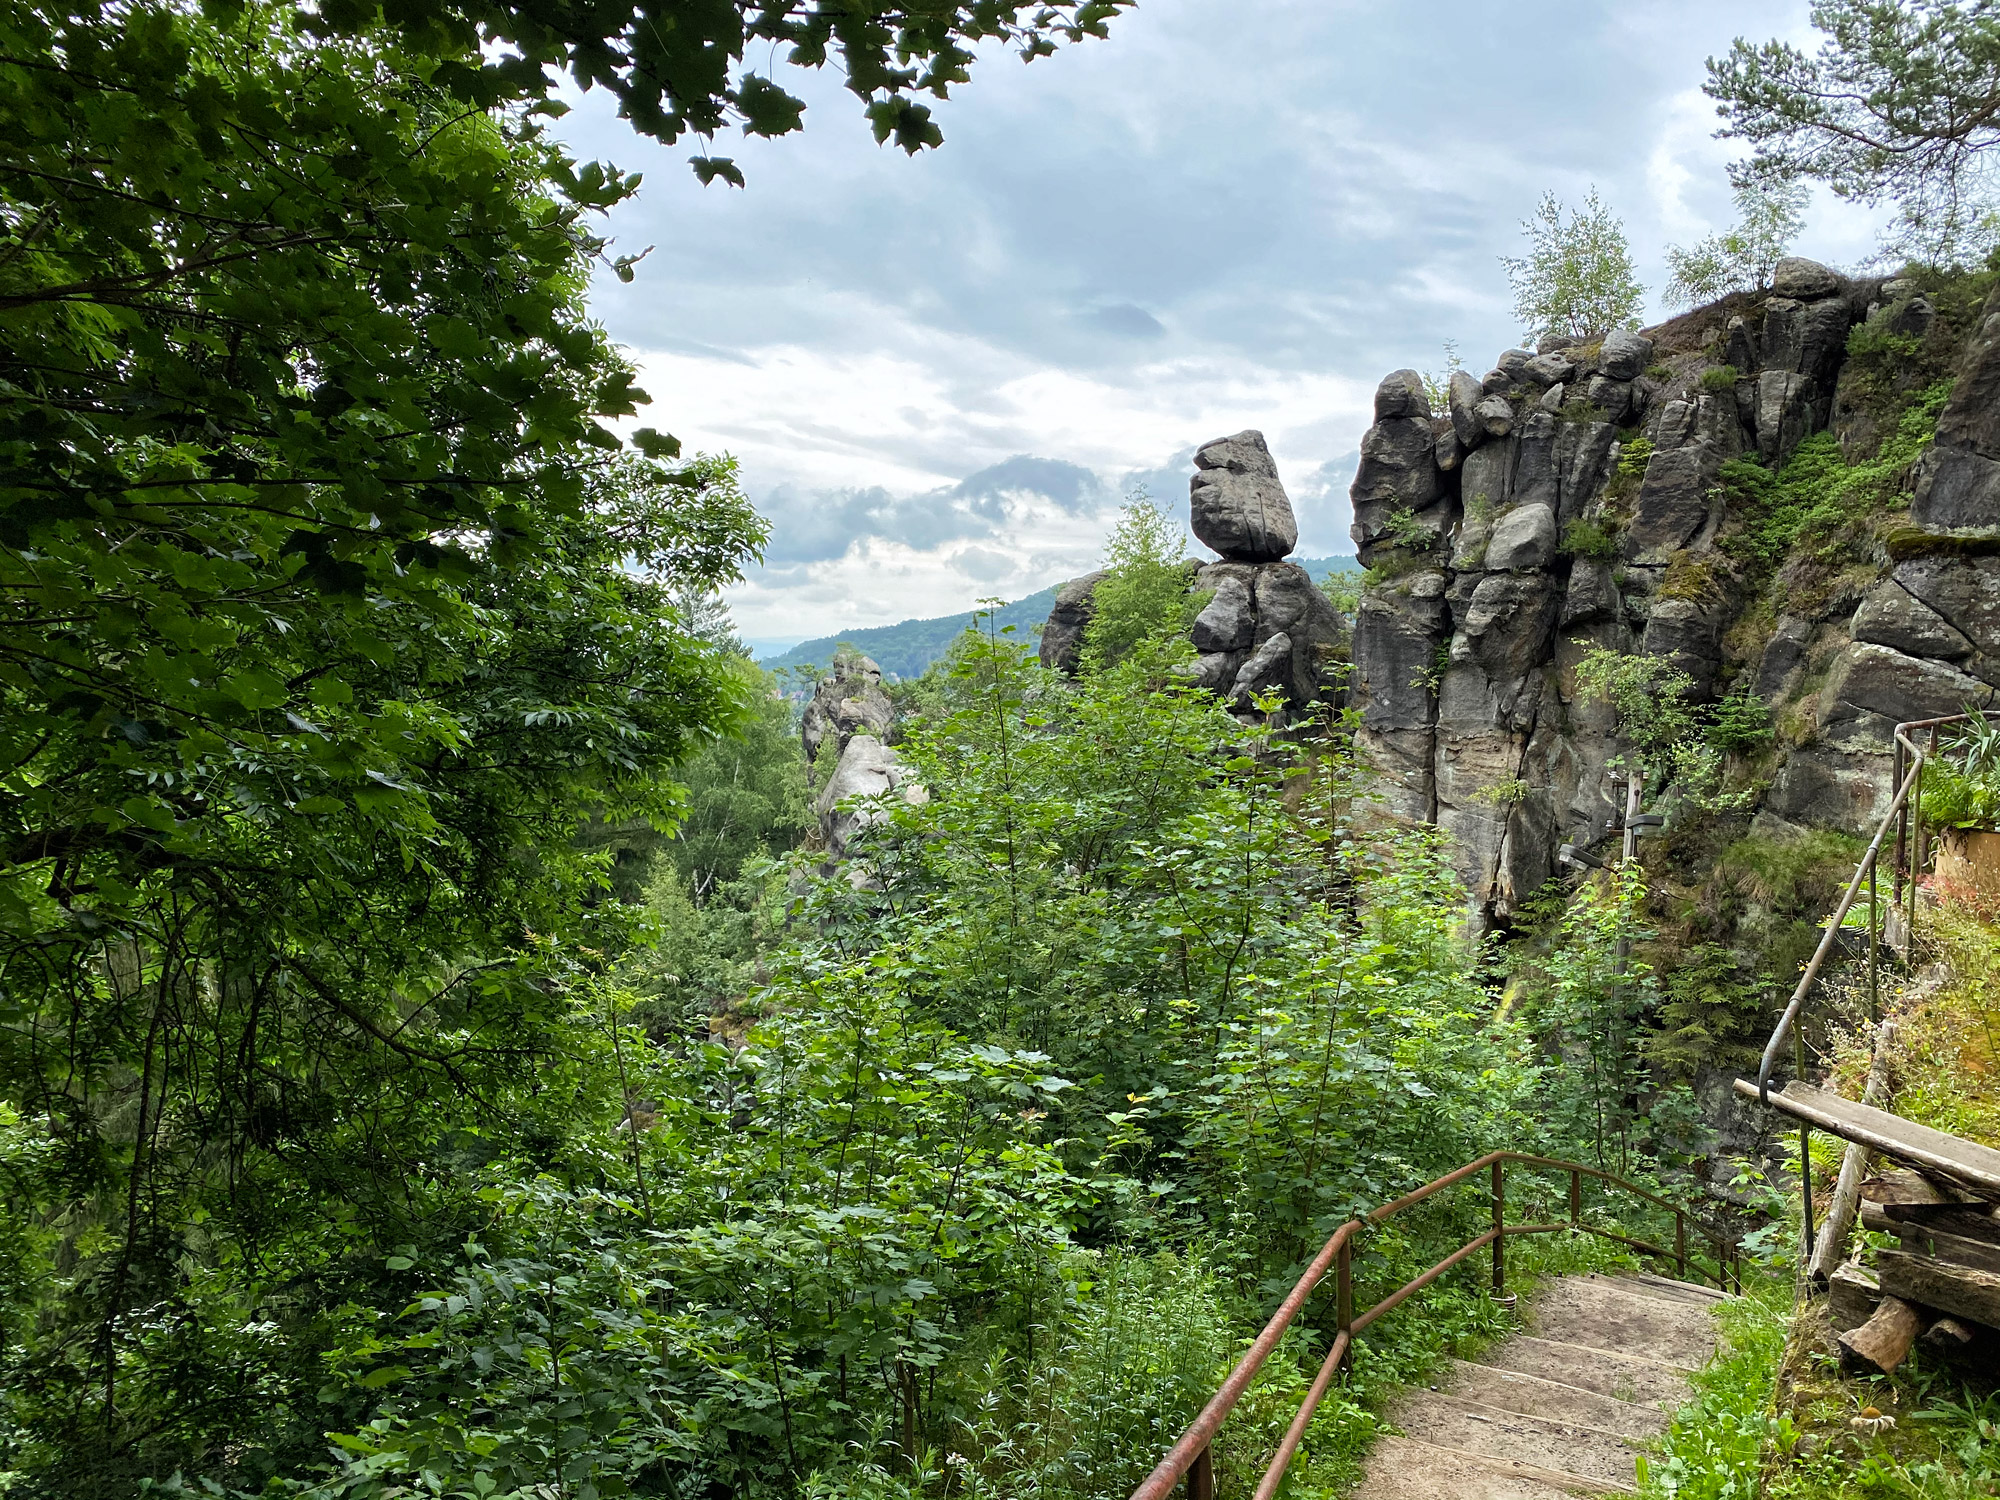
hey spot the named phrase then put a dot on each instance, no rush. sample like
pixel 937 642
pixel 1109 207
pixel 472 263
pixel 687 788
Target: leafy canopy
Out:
pixel 1744 257
pixel 1900 102
pixel 1576 279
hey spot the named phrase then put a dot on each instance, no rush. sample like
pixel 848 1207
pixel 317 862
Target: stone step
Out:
pixel 1562 1447
pixel 1623 1377
pixel 1402 1468
pixel 1688 1293
pixel 1600 1312
pixel 1535 1396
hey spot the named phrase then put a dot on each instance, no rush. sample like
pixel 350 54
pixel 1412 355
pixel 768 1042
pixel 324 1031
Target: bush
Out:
pixel 1719 378
pixel 1589 540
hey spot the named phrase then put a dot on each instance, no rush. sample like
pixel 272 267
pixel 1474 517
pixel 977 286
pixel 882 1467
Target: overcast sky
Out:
pixel 941 373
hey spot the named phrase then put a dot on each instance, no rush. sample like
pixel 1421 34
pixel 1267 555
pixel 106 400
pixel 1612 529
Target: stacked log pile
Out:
pixel 1942 1286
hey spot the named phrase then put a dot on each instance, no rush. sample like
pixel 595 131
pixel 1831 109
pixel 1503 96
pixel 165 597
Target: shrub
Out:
pixel 1589 540
pixel 1576 278
pixel 1719 378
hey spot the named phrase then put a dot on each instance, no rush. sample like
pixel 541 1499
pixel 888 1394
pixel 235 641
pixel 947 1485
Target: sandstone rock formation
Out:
pixel 1528 523
pixel 1238 506
pixel 1062 634
pixel 851 715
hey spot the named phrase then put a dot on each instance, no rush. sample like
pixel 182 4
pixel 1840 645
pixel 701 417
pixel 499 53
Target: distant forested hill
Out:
pixel 905 650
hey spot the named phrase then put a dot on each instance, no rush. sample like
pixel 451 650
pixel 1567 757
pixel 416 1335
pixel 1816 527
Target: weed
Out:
pixel 1590 540
pixel 1719 378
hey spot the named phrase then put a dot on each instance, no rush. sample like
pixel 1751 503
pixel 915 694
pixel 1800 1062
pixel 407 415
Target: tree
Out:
pixel 1901 102
pixel 1769 217
pixel 1144 594
pixel 1576 279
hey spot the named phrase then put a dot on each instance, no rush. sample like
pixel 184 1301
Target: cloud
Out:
pixel 1230 214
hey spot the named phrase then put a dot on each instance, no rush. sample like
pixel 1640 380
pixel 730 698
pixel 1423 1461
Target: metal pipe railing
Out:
pixel 1191 1456
pixel 1898 808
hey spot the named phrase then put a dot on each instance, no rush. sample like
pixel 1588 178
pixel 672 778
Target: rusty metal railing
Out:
pixel 1906 816
pixel 1190 1457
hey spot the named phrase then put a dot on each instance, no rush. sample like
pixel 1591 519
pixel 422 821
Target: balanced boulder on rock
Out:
pixel 1238 506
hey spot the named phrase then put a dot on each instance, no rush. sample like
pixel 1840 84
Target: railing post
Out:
pixel 1916 850
pixel 1805 1130
pixel 1896 865
pixel 1874 948
pixel 1575 1199
pixel 1681 1243
pixel 1499 1229
pixel 1201 1477
pixel 1343 1300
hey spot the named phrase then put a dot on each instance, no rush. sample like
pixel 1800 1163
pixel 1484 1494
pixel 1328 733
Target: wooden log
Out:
pixel 1938 1155
pixel 1884 1340
pixel 1851 1294
pixel 1961 1290
pixel 1830 1249
pixel 1929 1239
pixel 1903 1194
pixel 1970 1222
pixel 1947 1335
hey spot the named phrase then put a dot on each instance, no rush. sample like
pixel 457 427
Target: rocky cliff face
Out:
pixel 1265 627
pixel 848 725
pixel 1576 497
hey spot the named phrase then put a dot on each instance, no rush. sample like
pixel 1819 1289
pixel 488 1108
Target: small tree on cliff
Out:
pixel 1576 278
pixel 1743 258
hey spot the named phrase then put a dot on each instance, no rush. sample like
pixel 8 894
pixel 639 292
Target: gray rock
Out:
pixel 1673 504
pixel 1267 670
pixel 1523 539
pixel 1444 443
pixel 1396 639
pixel 1398 472
pixel 1465 395
pixel 1228 622
pixel 1496 416
pixel 1893 616
pixel 1784 414
pixel 1890 687
pixel 868 769
pixel 1497 382
pixel 1807 280
pixel 1509 623
pixel 1291 604
pixel 1402 394
pixel 1214 671
pixel 1592 594
pixel 1535 476
pixel 1549 343
pixel 1468 546
pixel 1625 355
pixel 1959 488
pixel 1552 399
pixel 1583 462
pixel 1964 592
pixel 1612 397
pixel 1740 347
pixel 1069 617
pixel 847 702
pixel 1911 319
pixel 1486 478
pixel 1689 635
pixel 1554 368
pixel 1783 655
pixel 1238 506
pixel 1514 364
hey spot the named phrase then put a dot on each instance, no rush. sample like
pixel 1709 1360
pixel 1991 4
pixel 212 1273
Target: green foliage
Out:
pixel 1437 383
pixel 1342 588
pixel 1589 540
pixel 1741 722
pixel 1897 103
pixel 1719 378
pixel 1576 278
pixel 1143 599
pixel 1962 784
pixel 1807 512
pixel 1717 1445
pixel 1769 217
pixel 1679 743
pixel 745 794
pixel 1710 1013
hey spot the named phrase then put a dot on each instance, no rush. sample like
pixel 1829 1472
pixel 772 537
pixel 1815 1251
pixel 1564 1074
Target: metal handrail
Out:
pixel 1190 1456
pixel 1863 870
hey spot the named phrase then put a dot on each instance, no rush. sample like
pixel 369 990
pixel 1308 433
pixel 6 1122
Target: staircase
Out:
pixel 1561 1409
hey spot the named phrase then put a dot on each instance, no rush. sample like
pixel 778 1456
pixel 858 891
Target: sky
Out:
pixel 943 374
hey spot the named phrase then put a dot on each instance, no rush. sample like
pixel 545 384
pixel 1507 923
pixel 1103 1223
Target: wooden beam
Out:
pixel 1851 1294
pixel 1929 1239
pixel 1930 1151
pixel 1903 1194
pixel 1830 1249
pixel 1884 1340
pixel 1960 1290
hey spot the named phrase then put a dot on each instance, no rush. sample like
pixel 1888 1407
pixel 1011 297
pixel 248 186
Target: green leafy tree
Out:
pixel 1143 598
pixel 1742 258
pixel 1900 102
pixel 1576 279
